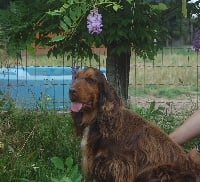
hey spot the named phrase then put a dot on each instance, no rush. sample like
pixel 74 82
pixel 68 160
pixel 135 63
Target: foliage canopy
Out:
pixel 61 25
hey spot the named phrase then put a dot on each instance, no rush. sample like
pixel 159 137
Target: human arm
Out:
pixel 188 130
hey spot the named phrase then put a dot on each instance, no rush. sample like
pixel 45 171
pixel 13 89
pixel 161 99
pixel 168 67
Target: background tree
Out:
pixel 128 24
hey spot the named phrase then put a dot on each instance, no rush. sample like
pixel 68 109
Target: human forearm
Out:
pixel 188 130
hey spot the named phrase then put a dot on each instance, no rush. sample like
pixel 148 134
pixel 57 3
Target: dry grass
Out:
pixel 170 67
pixel 173 74
pixel 171 79
pixel 41 59
pixel 167 69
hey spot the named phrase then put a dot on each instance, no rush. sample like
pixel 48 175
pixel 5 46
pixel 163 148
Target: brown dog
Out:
pixel 117 144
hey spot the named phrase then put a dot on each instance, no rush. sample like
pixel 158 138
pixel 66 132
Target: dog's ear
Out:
pixel 108 94
pixel 104 93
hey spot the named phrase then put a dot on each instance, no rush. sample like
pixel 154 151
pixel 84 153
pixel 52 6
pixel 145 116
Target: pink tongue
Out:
pixel 76 106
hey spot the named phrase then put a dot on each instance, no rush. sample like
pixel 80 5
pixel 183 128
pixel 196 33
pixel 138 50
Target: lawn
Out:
pixel 42 145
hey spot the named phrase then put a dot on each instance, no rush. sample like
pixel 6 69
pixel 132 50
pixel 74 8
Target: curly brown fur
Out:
pixel 167 173
pixel 117 144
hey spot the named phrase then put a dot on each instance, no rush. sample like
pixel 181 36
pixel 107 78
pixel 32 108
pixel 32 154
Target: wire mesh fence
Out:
pixel 171 80
pixel 35 82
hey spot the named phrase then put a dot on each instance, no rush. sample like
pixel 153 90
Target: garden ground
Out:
pixel 172 105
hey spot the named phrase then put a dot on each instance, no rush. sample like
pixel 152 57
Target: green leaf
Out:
pixel 69 163
pixel 62 10
pixel 116 7
pixel 66 5
pixel 74 173
pixel 159 6
pixel 130 1
pixel 71 2
pixel 58 163
pixel 67 20
pixel 54 13
pixel 64 26
pixel 66 179
pixel 58 38
pixel 73 15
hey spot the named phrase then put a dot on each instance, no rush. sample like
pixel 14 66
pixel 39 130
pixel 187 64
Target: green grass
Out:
pixel 161 91
pixel 42 145
pixel 30 140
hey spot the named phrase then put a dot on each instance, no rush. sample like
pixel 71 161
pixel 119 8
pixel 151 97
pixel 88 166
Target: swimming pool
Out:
pixel 37 87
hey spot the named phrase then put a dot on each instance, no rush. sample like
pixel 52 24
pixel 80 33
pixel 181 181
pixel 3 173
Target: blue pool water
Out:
pixel 37 87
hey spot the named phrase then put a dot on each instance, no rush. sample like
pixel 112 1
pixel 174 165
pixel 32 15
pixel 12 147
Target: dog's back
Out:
pixel 130 146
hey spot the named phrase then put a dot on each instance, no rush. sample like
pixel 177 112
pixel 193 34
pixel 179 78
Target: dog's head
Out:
pixel 90 93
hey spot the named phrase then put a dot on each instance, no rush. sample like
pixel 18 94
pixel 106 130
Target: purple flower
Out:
pixel 196 40
pixel 94 21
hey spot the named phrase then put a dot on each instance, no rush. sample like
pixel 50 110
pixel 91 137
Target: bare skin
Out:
pixel 188 130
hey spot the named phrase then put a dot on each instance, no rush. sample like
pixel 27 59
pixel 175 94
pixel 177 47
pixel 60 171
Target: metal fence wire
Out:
pixel 170 80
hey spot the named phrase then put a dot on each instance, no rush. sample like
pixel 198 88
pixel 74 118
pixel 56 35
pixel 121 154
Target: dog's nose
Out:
pixel 72 90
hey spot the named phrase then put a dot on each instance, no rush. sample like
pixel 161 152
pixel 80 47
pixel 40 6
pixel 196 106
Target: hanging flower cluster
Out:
pixel 94 21
pixel 196 40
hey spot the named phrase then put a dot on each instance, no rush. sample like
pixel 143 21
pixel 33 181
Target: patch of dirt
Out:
pixel 175 104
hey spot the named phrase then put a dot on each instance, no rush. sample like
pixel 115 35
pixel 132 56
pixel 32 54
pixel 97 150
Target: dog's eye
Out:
pixel 90 80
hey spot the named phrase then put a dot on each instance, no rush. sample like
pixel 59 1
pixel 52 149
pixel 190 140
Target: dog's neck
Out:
pixel 83 119
pixel 89 117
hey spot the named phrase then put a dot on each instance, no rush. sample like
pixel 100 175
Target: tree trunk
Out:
pixel 117 70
